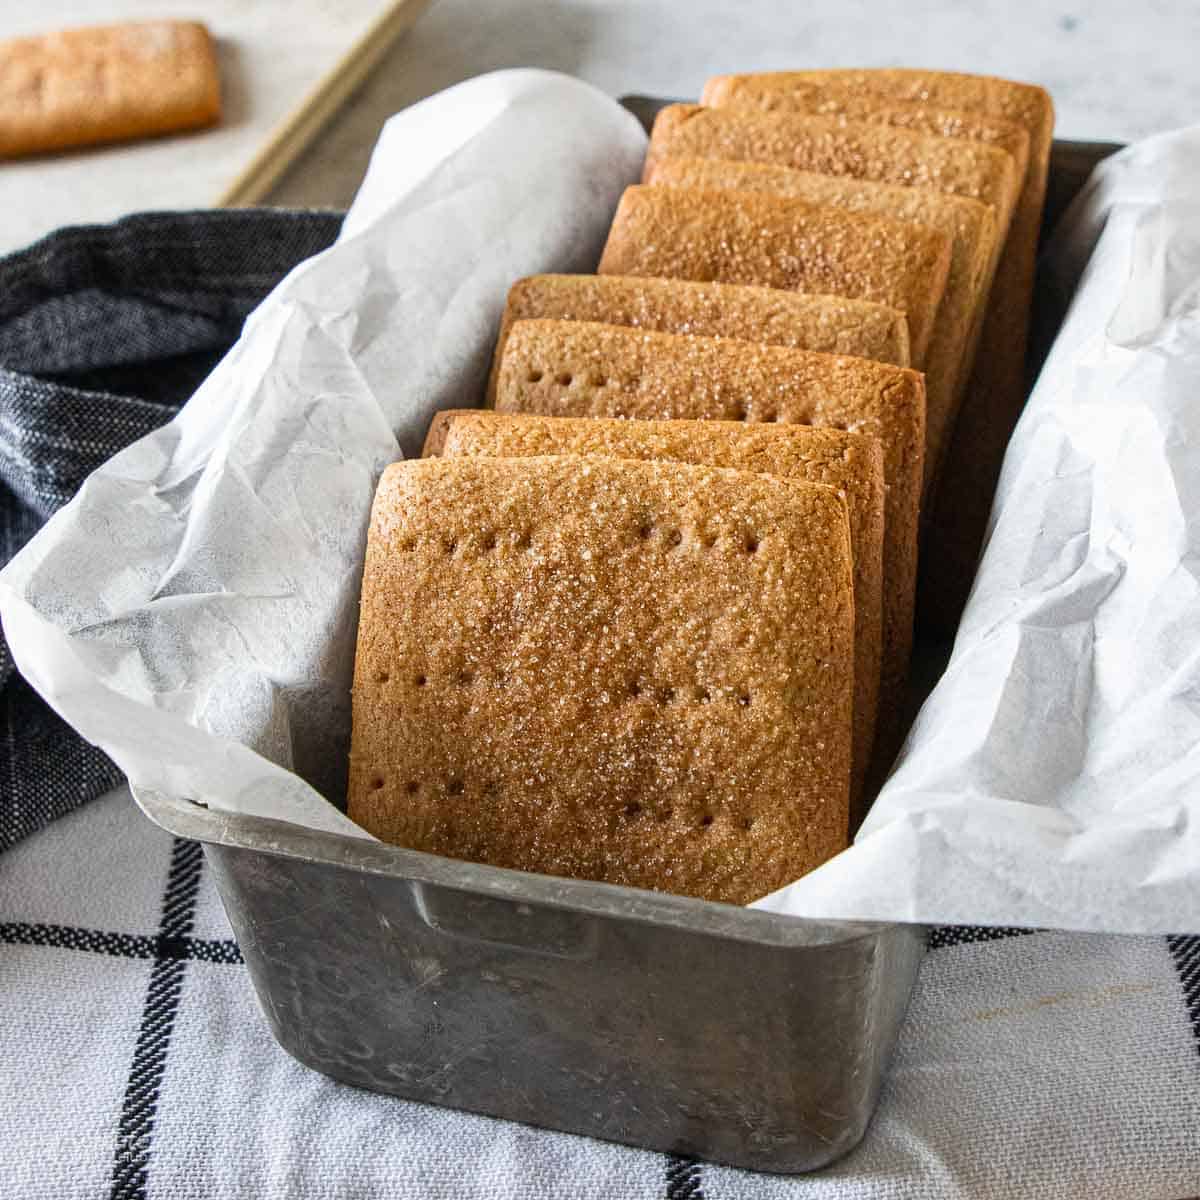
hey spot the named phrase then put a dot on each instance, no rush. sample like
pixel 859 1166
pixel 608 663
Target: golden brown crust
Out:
pixel 663 376
pixel 834 146
pixel 104 84
pixel 851 103
pixel 831 324
pixel 849 462
pixel 996 388
pixel 970 225
pixel 637 672
pixel 1025 104
pixel 745 237
pixel 439 430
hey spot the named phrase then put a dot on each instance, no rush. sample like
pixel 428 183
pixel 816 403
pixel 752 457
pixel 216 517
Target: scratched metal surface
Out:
pixel 658 1021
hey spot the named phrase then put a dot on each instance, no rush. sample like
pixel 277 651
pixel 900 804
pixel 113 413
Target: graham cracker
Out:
pixel 970 225
pixel 850 462
pixel 583 369
pixel 997 387
pixel 104 84
pixel 746 237
pixel 848 102
pixel 833 324
pixel 834 146
pixel 634 672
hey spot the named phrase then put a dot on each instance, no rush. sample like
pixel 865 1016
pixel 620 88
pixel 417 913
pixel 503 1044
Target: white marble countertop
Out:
pixel 1117 71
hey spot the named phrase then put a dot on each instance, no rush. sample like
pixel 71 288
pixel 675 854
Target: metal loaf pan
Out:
pixel 659 1021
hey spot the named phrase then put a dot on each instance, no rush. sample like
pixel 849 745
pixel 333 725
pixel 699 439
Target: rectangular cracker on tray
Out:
pixel 584 369
pixel 108 83
pixel 635 672
pixel 970 225
pixel 833 324
pixel 850 462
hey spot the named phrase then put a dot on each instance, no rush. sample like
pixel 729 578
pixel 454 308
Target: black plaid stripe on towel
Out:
pixel 104 332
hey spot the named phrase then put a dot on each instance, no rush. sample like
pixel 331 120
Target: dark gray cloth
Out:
pixel 105 330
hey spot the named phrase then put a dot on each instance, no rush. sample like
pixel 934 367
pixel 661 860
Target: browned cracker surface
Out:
pixel 833 324
pixel 850 462
pixel 996 391
pixel 105 84
pixel 848 102
pixel 835 146
pixel 636 672
pixel 970 225
pixel 581 369
pixel 771 241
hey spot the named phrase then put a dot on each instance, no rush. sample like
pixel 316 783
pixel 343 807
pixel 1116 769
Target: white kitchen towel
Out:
pixel 135 1063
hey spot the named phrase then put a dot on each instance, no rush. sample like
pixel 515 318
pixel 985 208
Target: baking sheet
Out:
pixel 283 66
pixel 193 609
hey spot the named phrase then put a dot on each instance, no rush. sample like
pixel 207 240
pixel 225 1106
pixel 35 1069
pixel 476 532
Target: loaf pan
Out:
pixel 664 1022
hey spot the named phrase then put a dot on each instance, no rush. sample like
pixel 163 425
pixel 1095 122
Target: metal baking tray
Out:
pixel 664 1022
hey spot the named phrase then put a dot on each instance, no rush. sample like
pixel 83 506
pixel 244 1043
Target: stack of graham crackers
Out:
pixel 647 618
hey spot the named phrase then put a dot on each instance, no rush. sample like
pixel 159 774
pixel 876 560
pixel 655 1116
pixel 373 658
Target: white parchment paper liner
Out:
pixel 1053 777
pixel 193 610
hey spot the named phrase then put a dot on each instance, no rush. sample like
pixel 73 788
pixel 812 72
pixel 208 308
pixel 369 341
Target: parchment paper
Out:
pixel 1053 777
pixel 193 610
